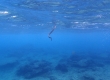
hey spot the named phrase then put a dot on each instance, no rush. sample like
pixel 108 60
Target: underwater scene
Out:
pixel 54 39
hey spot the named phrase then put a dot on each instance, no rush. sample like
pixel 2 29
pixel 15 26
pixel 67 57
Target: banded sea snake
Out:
pixel 51 33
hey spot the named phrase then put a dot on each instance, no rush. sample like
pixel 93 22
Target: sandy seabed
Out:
pixel 10 66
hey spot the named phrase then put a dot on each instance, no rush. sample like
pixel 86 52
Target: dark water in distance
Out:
pixel 80 46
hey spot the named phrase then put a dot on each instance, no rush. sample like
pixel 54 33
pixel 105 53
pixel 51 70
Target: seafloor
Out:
pixel 33 64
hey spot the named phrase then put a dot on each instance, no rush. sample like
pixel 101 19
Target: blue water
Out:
pixel 80 45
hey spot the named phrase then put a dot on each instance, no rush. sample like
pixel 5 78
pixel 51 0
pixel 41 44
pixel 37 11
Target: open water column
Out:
pixel 54 40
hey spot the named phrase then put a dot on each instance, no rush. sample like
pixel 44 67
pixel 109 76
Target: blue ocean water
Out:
pixel 31 48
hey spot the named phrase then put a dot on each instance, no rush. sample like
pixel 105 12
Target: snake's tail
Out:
pixel 50 38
